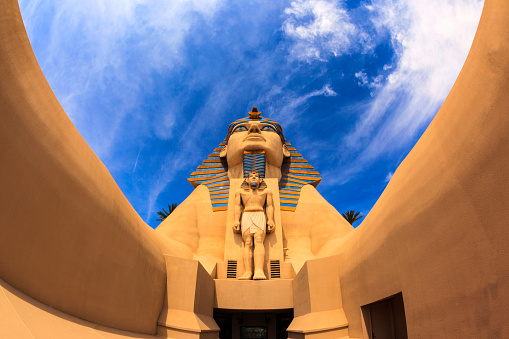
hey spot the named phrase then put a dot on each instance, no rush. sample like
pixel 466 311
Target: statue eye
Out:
pixel 240 128
pixel 268 128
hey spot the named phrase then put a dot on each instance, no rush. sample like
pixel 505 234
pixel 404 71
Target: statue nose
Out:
pixel 254 129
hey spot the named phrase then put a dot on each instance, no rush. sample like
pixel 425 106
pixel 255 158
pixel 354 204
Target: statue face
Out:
pixel 255 136
pixel 253 180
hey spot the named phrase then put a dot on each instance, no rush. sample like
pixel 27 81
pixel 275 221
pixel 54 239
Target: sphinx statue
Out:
pixel 308 221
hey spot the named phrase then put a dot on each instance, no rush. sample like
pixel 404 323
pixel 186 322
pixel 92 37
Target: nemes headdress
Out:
pixel 295 170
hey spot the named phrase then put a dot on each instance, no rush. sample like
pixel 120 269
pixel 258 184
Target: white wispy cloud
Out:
pixel 164 127
pixel 320 28
pixel 287 106
pixel 366 81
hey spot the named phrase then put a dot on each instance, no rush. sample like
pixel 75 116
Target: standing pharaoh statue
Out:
pixel 253 201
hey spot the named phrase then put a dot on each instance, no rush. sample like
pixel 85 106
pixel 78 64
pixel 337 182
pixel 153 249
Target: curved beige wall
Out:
pixel 440 233
pixel 69 238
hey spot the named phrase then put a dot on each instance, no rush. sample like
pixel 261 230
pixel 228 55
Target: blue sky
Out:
pixel 153 85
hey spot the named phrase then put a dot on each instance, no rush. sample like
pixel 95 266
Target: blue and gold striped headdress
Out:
pixel 295 171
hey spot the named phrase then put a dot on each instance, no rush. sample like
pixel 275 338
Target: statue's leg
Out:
pixel 247 255
pixel 259 255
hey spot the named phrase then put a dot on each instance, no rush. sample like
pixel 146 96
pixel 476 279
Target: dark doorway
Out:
pixel 253 324
pixel 385 319
pixel 283 320
pixel 224 321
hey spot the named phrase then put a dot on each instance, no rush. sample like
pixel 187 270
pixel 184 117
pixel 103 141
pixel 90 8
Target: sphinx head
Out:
pixel 255 134
pixel 254 141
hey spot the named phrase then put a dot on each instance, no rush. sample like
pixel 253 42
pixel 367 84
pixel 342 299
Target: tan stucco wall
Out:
pixel 235 294
pixel 22 317
pixel 311 227
pixel 439 233
pixel 69 238
pixel 194 231
pixel 317 299
pixel 189 299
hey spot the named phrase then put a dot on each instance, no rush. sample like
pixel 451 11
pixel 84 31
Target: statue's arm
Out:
pixel 270 212
pixel 238 212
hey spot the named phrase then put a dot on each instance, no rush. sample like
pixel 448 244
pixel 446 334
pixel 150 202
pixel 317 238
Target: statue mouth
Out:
pixel 254 137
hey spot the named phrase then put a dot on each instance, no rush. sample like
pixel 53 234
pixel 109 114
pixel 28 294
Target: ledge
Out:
pixel 273 294
pixel 188 321
pixel 319 321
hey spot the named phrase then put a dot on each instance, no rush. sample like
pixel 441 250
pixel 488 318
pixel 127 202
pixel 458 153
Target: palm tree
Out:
pixel 163 214
pixel 351 216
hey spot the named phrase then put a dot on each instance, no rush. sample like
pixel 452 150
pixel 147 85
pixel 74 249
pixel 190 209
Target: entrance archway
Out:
pixel 235 324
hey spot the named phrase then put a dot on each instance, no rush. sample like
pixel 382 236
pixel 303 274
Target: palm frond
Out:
pixel 352 216
pixel 163 214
